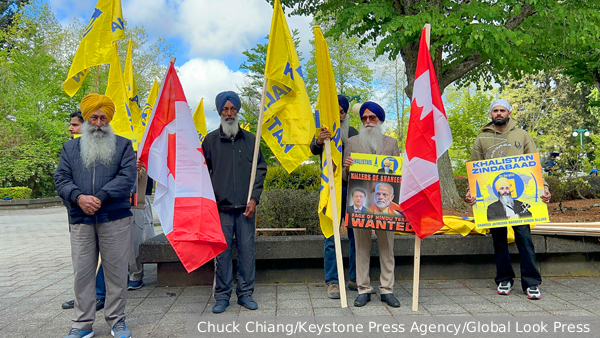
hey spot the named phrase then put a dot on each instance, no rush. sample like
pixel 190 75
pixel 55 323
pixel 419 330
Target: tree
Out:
pixel 9 10
pixel 391 81
pixel 471 41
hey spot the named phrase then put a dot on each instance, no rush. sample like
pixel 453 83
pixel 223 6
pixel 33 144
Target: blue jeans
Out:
pixel 100 285
pixel 331 274
pixel 235 223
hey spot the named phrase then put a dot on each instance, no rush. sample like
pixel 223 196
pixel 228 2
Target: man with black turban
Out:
pixel 330 265
pixel 228 152
pixel 371 140
pixel 95 175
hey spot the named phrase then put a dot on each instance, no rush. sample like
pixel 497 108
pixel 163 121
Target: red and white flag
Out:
pixel 184 198
pixel 428 137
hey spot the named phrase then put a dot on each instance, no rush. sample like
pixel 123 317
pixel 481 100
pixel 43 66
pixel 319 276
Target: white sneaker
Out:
pixel 533 293
pixel 504 288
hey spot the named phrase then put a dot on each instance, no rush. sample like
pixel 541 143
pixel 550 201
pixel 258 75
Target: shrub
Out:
pixel 305 177
pixel 16 193
pixel 289 208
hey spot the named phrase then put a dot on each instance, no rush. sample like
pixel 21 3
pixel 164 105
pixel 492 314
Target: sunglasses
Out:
pixel 365 118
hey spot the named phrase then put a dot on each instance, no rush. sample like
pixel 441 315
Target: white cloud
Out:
pixel 205 78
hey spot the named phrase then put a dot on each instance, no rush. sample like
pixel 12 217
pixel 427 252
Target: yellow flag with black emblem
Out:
pixel 328 112
pixel 200 120
pixel 105 27
pixel 147 111
pixel 288 124
pixel 115 89
pixel 132 94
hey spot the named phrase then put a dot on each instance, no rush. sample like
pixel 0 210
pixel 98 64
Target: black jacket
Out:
pixel 111 184
pixel 317 149
pixel 229 164
pixel 496 211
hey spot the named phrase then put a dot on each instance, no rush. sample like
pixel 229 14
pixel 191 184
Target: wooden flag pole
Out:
pixel 261 112
pixel 417 260
pixel 336 224
pixel 97 76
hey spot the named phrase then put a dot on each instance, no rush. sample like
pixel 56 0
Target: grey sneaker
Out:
pixel 120 330
pixel 504 288
pixel 533 293
pixel 79 333
pixel 333 291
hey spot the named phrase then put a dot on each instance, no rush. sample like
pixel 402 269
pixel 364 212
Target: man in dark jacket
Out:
pixel 95 175
pixel 330 265
pixel 506 206
pixel 229 151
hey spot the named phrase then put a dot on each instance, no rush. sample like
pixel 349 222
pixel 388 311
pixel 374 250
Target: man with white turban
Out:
pixel 501 138
pixel 95 175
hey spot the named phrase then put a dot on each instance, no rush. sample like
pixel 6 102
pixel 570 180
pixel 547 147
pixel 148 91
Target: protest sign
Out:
pixel 374 193
pixel 508 191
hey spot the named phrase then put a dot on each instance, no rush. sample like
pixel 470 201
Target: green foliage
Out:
pixel 305 177
pixel 289 208
pixel 15 193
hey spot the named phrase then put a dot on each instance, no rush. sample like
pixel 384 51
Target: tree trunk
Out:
pixel 450 196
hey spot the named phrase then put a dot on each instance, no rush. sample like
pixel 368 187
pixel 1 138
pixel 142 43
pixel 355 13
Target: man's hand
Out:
pixel 89 204
pixel 140 165
pixel 250 208
pixel 325 134
pixel 470 199
pixel 348 162
pixel 546 196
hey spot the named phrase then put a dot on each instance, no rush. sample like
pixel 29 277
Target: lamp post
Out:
pixel 581 133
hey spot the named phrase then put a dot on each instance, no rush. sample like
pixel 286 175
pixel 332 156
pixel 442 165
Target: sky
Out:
pixel 209 36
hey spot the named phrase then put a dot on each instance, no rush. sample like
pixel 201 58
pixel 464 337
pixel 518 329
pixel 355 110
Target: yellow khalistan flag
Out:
pixel 147 111
pixel 121 122
pixel 327 110
pixel 289 124
pixel 200 121
pixel 105 27
pixel 132 94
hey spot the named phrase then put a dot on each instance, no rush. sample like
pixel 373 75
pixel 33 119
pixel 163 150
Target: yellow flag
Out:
pixel 288 124
pixel 147 111
pixel 328 112
pixel 246 127
pixel 200 120
pixel 121 122
pixel 105 27
pixel 132 95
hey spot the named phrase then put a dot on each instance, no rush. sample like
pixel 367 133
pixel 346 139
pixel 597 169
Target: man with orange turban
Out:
pixel 95 175
pixel 506 207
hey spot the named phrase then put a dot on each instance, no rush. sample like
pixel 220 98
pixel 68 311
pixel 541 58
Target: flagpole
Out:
pixel 336 224
pixel 261 112
pixel 417 258
pixel 97 75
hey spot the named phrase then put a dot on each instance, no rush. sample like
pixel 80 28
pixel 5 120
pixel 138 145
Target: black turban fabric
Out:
pixel 343 102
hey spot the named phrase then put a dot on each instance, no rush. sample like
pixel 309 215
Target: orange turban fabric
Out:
pixel 93 102
pixel 503 182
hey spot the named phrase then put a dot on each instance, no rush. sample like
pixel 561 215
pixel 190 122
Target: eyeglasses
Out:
pixel 365 118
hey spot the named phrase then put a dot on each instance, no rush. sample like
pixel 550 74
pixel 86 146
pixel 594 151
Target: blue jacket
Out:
pixel 111 184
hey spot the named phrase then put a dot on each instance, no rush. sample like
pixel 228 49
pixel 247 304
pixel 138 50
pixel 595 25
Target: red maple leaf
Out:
pixel 421 132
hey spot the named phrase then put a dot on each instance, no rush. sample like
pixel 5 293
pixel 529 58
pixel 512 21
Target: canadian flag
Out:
pixel 184 198
pixel 428 137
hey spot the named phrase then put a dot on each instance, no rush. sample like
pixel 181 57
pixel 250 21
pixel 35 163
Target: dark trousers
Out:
pixel 100 285
pixel 330 264
pixel 234 222
pixel 504 272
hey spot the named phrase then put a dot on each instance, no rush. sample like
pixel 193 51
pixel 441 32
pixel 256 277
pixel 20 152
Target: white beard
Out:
pixel 507 201
pixel 371 137
pixel 344 128
pixel 97 147
pixel 231 127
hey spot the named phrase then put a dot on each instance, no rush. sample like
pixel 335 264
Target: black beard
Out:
pixel 500 122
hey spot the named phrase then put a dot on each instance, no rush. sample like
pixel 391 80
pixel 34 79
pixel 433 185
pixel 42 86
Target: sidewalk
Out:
pixel 36 277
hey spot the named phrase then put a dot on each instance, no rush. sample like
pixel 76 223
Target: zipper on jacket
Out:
pixel 94 189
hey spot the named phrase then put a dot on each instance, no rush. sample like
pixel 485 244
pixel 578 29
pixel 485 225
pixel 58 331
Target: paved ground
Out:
pixel 36 277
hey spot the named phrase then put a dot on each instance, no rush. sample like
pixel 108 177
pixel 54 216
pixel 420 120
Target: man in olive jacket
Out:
pixel 95 175
pixel 501 138
pixel 228 152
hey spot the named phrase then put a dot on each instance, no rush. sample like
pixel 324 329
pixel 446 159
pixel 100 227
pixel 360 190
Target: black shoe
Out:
pixel 390 300
pixel 362 299
pixel 68 304
pixel 99 304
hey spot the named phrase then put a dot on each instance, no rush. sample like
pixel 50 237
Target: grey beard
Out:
pixel 507 201
pixel 344 128
pixel 97 147
pixel 230 128
pixel 381 204
pixel 371 137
